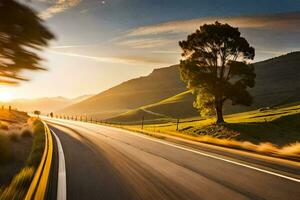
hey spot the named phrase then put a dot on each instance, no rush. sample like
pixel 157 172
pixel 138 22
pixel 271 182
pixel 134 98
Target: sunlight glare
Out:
pixel 5 95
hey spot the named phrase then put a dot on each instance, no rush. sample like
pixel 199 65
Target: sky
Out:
pixel 101 43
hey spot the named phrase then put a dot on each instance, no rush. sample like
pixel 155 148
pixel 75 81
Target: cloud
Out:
pixel 73 46
pixel 58 7
pixel 285 21
pixel 143 43
pixel 166 52
pixel 272 34
pixel 272 52
pixel 132 60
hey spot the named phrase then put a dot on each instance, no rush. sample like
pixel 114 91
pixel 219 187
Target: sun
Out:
pixel 5 95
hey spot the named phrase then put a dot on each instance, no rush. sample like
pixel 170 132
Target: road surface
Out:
pixel 108 163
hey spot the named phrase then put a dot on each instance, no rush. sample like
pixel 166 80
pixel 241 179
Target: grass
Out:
pixel 26 133
pixel 11 123
pixel 19 185
pixel 5 151
pixel 38 144
pixel 271 131
pixel 162 110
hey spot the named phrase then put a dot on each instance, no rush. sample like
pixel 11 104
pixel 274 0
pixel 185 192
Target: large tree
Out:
pixel 22 36
pixel 216 67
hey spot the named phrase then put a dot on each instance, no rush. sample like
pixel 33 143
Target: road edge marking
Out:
pixel 38 185
pixel 61 180
pixel 208 155
pixel 191 150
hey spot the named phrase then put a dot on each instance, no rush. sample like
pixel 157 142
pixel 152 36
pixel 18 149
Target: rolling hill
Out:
pixel 45 105
pixel 160 84
pixel 163 95
pixel 177 106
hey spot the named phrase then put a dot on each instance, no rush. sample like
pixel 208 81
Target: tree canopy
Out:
pixel 216 67
pixel 22 36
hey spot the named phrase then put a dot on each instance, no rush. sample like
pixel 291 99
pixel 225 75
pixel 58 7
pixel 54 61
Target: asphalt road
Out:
pixel 108 163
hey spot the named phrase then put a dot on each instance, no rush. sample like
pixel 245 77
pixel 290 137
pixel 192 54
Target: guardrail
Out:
pixel 38 186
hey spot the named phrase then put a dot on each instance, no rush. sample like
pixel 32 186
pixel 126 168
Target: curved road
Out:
pixel 109 163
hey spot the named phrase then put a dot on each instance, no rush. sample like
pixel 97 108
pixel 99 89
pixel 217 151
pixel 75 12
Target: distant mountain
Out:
pixel 160 84
pixel 45 105
pixel 162 94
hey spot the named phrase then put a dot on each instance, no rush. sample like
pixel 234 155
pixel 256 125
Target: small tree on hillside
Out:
pixel 22 35
pixel 37 112
pixel 215 67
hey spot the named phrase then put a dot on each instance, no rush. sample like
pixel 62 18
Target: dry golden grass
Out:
pixel 291 150
pixel 252 131
pixel 18 187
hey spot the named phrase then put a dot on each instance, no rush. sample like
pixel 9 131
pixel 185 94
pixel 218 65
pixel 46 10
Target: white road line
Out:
pixel 210 156
pixel 61 182
pixel 195 151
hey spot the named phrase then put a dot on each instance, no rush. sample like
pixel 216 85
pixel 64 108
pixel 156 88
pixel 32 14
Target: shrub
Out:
pixel 38 144
pixel 18 188
pixel 26 133
pixel 14 136
pixel 3 126
pixel 5 151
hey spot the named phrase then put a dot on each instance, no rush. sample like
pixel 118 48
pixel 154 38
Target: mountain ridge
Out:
pixel 275 83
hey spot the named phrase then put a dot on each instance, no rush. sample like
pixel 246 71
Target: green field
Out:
pixel 270 128
pixel 162 94
pixel 162 110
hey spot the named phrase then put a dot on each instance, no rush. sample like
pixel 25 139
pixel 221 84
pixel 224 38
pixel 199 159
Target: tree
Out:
pixel 22 36
pixel 216 67
pixel 37 112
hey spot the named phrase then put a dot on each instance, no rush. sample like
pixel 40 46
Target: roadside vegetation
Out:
pixel 17 185
pixel 273 131
pixel 23 37
pixel 216 67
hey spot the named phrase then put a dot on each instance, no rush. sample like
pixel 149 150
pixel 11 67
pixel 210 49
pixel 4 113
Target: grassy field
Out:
pixel 15 140
pixel 21 146
pixel 275 130
pixel 162 110
pixel 17 186
pixel 277 83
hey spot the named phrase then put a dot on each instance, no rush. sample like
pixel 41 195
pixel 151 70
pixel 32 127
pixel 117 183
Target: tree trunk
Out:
pixel 219 111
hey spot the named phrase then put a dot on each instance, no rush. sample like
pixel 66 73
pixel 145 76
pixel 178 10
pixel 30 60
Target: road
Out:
pixel 108 163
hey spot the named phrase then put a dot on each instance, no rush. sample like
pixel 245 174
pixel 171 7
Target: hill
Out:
pixel 158 94
pixel 277 83
pixel 160 84
pixel 177 106
pixel 45 105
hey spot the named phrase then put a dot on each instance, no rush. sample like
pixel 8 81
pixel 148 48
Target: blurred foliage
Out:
pixel 22 36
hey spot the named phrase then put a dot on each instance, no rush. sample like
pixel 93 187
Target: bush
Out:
pixel 3 126
pixel 26 133
pixel 38 144
pixel 5 151
pixel 18 188
pixel 14 137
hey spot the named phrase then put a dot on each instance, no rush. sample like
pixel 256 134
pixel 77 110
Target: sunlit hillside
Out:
pixel 277 83
pixel 45 105
pixel 279 126
pixel 160 84
pixel 178 106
